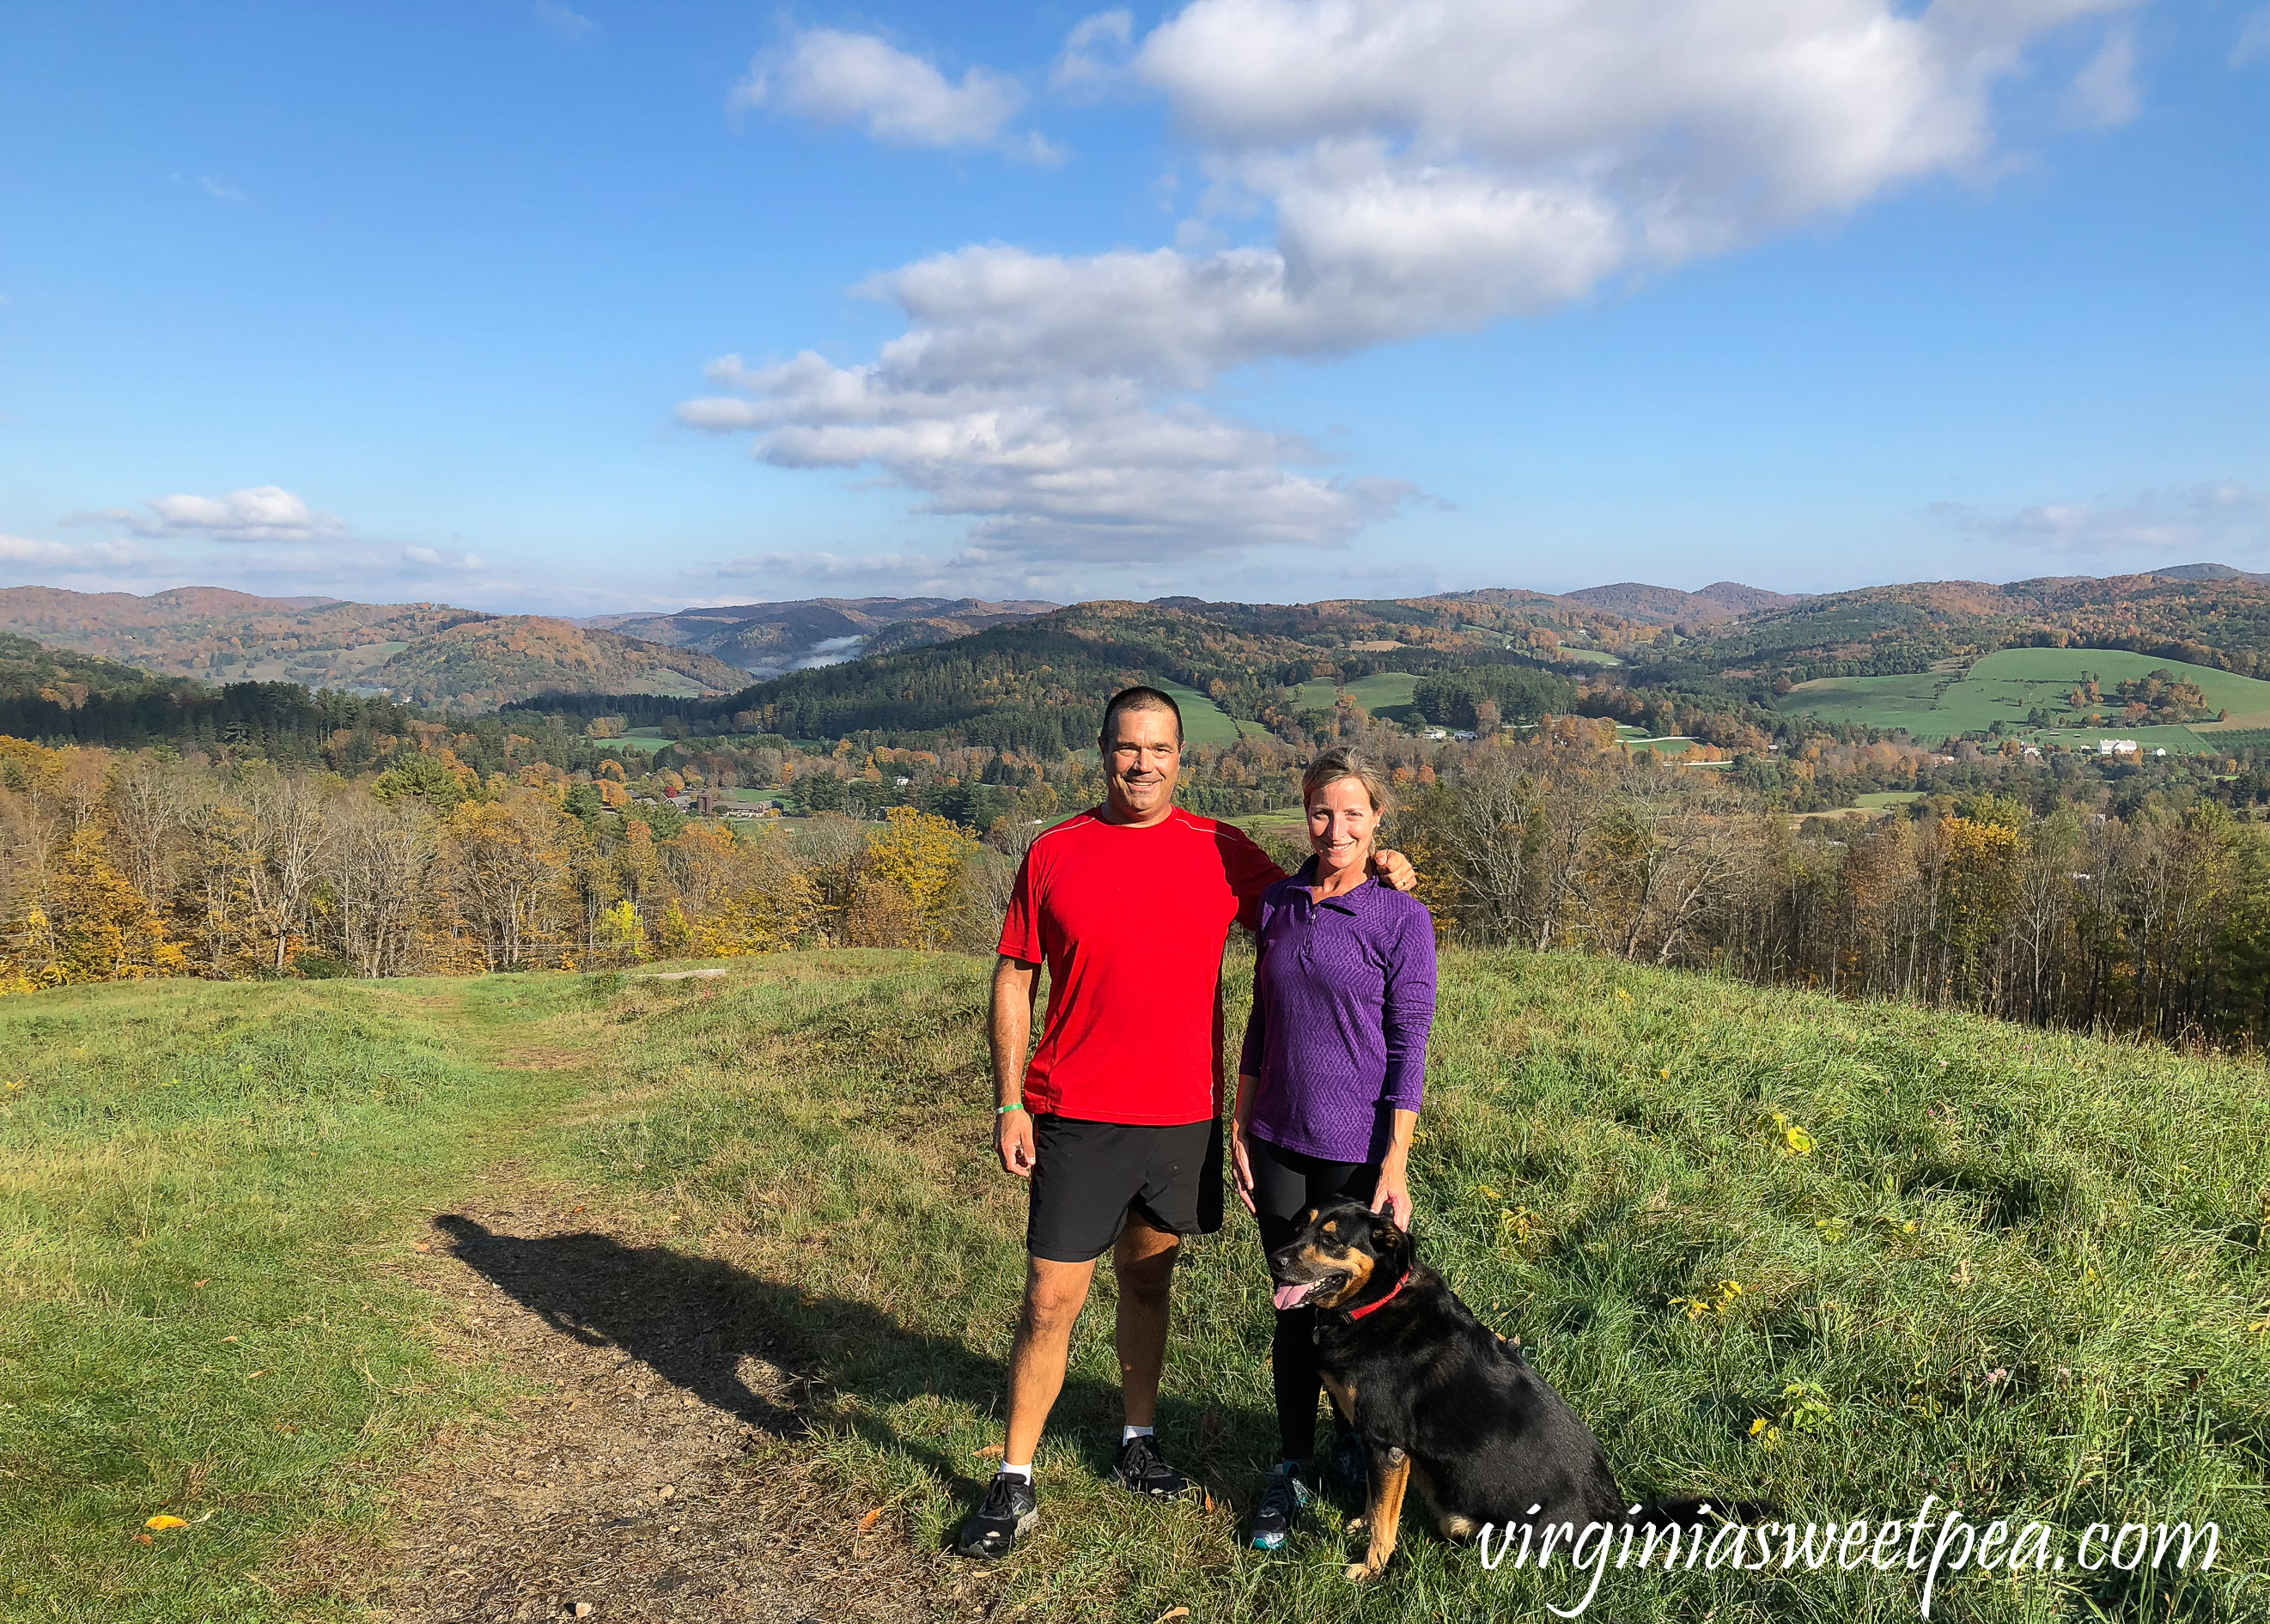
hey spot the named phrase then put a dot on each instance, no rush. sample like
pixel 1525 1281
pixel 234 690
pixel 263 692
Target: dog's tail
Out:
pixel 1687 1512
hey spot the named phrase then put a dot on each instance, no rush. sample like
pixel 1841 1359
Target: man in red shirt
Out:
pixel 1117 1119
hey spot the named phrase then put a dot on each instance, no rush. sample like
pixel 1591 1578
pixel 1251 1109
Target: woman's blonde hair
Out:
pixel 1341 762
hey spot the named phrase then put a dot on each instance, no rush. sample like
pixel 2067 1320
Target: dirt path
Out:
pixel 654 1470
pixel 654 1474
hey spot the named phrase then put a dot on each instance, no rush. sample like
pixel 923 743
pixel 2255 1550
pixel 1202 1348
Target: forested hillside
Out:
pixel 431 653
pixel 1888 630
pixel 771 638
pixel 1040 684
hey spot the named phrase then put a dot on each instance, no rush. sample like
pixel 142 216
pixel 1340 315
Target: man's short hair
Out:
pixel 1140 699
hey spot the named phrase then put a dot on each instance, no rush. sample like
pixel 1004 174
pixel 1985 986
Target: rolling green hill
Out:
pixel 2012 685
pixel 2196 616
pixel 1204 722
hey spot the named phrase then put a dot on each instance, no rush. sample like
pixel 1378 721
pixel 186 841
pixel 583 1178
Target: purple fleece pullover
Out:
pixel 1342 998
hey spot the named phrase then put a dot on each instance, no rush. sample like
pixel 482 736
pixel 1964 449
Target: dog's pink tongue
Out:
pixel 1293 1296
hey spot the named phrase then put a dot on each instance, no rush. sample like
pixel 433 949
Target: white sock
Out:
pixel 1128 1433
pixel 1023 1472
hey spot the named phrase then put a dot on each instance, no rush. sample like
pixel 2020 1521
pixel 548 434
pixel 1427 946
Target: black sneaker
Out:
pixel 1347 1469
pixel 1142 1470
pixel 1005 1515
pixel 1282 1496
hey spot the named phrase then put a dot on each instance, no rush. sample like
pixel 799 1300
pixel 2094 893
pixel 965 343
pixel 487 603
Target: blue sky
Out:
pixel 578 308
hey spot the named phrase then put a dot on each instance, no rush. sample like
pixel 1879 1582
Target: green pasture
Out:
pixel 2010 684
pixel 646 741
pixel 2025 1272
pixel 668 684
pixel 1384 691
pixel 1881 798
pixel 1204 722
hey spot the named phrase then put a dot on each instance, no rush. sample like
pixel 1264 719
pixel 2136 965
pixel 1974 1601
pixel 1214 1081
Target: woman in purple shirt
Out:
pixel 1329 1084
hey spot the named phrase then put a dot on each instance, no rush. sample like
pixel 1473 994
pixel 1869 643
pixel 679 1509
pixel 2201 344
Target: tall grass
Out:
pixel 2014 1269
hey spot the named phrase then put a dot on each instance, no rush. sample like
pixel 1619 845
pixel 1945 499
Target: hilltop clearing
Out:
pixel 2048 693
pixel 407 1296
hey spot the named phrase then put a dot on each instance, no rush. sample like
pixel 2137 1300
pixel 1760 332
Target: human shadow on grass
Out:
pixel 694 1320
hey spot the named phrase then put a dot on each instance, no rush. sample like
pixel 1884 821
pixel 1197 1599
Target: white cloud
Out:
pixel 28 550
pixel 563 20
pixel 1094 52
pixel 2198 523
pixel 217 190
pixel 832 77
pixel 1414 169
pixel 367 571
pixel 2106 91
pixel 436 560
pixel 1048 467
pixel 264 513
pixel 2253 42
pixel 820 565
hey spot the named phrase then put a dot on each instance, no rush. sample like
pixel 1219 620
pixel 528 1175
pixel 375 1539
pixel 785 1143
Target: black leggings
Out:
pixel 1286 1184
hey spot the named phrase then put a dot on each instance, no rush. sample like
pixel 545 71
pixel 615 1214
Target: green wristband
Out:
pixel 1003 1110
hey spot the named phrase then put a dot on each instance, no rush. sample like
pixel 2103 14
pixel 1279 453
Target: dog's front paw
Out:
pixel 1359 1572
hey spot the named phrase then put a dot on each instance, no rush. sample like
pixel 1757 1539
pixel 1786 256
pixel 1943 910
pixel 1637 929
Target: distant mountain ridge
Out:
pixel 1721 600
pixel 444 655
pixel 430 654
pixel 801 634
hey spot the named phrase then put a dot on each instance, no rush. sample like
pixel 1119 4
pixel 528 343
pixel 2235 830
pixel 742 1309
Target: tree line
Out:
pixel 2120 898
pixel 128 865
pixel 2154 921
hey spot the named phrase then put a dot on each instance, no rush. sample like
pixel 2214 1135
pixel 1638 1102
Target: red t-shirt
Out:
pixel 1130 921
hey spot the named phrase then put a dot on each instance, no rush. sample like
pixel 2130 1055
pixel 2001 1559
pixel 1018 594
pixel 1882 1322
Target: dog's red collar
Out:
pixel 1374 1308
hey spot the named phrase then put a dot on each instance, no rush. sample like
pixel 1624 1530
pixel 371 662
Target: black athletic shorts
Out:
pixel 1088 1176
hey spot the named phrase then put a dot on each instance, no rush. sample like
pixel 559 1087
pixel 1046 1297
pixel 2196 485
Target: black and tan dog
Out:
pixel 1439 1398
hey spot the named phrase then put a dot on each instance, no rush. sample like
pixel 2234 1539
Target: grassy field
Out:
pixel 1204 722
pixel 199 1184
pixel 1384 691
pixel 2023 1271
pixel 2009 685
